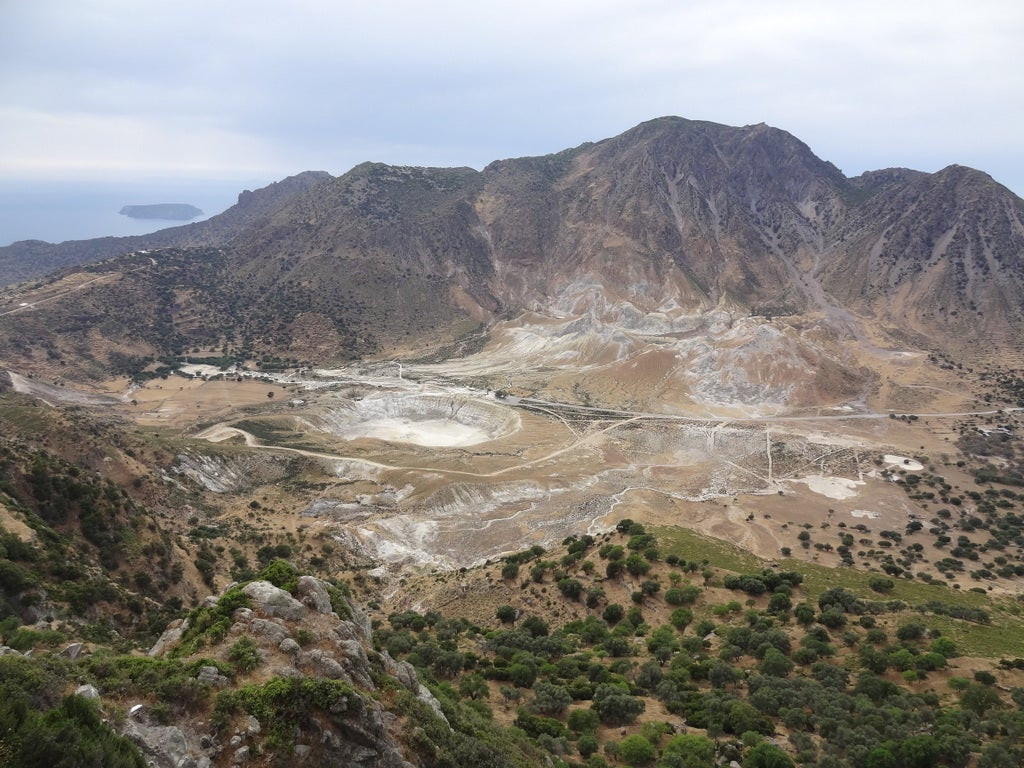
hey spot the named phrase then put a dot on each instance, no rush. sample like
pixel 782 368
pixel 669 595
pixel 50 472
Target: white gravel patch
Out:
pixel 864 513
pixel 903 462
pixel 201 369
pixel 839 488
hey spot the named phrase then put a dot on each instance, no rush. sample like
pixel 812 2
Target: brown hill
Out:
pixel 647 234
pixel 940 254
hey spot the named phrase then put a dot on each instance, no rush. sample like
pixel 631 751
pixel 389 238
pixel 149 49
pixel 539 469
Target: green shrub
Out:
pixel 587 745
pixel 550 699
pixel 14 578
pixel 767 755
pixel 39 728
pixel 911 631
pixel 245 654
pixel 535 725
pixel 170 680
pixel 281 574
pixel 23 638
pixel 613 613
pixel 67 736
pixel 615 705
pixel 583 720
pixel 690 750
pixel 211 623
pixel 286 703
pixel 881 584
pixel 635 750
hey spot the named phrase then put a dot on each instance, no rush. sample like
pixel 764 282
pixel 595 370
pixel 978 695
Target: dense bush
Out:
pixel 41 729
pixel 285 703
pixel 615 706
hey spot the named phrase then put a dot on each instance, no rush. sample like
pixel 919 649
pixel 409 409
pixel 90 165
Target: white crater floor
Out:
pixel 429 420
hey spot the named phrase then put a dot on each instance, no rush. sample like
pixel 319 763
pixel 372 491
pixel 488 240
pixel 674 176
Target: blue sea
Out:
pixel 55 211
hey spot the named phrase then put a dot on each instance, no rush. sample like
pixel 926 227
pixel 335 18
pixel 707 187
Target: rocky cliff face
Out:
pixel 678 216
pixel 673 212
pixel 941 254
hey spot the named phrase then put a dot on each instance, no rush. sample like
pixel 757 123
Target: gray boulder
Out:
pixel 402 671
pixel 242 614
pixel 42 611
pixel 266 632
pixel 313 593
pixel 324 665
pixel 73 651
pixel 169 638
pixel 212 676
pixel 405 674
pixel 361 623
pixel 273 601
pixel 165 746
pixel 87 691
pixel 252 726
pixel 424 695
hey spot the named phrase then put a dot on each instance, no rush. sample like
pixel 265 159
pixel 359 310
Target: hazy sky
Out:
pixel 251 89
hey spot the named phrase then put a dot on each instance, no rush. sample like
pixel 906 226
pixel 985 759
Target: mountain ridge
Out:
pixel 668 221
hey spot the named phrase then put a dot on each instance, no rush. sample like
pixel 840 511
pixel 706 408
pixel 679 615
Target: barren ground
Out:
pixel 562 426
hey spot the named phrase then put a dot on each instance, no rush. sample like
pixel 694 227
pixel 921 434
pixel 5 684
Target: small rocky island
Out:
pixel 171 211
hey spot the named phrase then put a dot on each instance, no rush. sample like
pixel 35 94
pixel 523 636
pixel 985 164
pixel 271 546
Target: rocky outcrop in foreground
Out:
pixel 311 688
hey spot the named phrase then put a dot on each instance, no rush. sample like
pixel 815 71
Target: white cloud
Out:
pixel 77 144
pixel 313 83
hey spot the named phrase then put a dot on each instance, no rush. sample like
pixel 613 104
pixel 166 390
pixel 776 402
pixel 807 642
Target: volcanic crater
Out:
pixel 441 421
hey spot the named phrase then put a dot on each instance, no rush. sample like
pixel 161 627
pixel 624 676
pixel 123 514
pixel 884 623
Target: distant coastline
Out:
pixel 56 210
pixel 166 211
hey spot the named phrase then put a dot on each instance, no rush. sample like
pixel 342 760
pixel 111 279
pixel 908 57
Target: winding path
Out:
pixel 110 276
